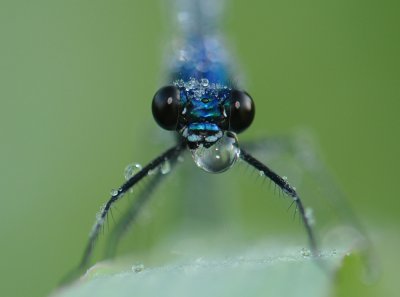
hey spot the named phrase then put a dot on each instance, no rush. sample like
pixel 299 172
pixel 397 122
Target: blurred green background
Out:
pixel 76 82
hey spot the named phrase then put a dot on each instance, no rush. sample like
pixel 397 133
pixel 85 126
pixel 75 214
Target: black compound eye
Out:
pixel 165 107
pixel 242 111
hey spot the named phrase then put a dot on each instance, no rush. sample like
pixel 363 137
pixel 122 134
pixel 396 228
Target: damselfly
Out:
pixel 206 110
pixel 203 105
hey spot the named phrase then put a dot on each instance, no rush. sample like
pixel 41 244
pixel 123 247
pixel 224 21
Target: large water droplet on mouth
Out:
pixel 220 156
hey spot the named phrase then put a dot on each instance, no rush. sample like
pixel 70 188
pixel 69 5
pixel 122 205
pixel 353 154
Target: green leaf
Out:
pixel 261 271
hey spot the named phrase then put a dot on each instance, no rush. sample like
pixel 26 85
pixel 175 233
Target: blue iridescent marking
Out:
pixel 205 108
pixel 203 127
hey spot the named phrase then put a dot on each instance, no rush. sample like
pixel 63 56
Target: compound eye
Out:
pixel 242 111
pixel 165 107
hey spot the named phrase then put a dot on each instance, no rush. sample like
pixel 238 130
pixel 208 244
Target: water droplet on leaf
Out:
pixel 137 268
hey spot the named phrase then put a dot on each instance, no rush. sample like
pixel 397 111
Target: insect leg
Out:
pixel 130 216
pixel 172 153
pixel 287 189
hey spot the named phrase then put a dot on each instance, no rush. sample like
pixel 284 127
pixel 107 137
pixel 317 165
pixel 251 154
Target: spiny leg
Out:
pixel 301 147
pixel 287 189
pixel 170 154
pixel 130 216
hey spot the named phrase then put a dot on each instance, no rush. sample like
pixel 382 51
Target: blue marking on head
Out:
pixel 205 108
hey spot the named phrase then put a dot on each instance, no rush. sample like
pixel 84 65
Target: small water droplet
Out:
pixel 165 167
pixel 305 252
pixel 114 192
pixel 137 268
pixel 204 82
pixel 284 178
pixel 198 93
pixel 131 170
pixel 180 83
pixel 153 171
pixel 261 173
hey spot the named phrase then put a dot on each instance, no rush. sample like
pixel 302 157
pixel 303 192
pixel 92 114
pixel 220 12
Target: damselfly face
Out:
pixel 207 116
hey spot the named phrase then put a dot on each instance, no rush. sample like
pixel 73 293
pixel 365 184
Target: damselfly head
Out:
pixel 207 115
pixel 201 111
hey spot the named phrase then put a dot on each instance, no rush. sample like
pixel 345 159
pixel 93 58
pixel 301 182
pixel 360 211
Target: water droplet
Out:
pixel 131 170
pixel 137 268
pixel 220 156
pixel 284 178
pixel 261 173
pixel 204 82
pixel 191 84
pixel 153 171
pixel 114 192
pixel 198 93
pixel 305 252
pixel 165 167
pixel 180 83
